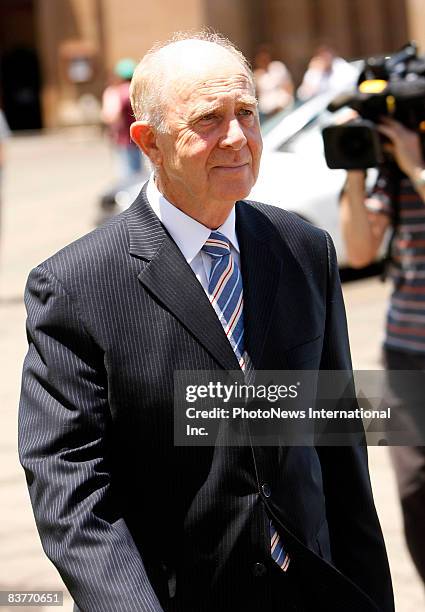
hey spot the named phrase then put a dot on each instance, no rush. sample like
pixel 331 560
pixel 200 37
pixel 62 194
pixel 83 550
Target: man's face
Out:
pixel 211 152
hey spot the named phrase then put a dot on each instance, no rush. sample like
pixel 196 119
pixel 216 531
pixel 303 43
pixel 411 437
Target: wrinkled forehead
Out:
pixel 211 87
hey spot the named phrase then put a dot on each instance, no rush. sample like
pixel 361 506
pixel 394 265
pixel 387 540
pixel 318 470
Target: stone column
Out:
pixel 332 25
pixel 291 30
pixel 58 24
pixel 131 28
pixel 416 22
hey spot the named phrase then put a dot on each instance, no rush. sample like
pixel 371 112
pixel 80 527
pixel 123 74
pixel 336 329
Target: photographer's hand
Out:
pixel 362 231
pixel 406 148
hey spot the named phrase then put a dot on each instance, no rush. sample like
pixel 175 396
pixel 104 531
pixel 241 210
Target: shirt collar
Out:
pixel 189 235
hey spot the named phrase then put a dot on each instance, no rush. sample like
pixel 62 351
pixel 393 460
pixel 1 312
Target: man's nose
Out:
pixel 234 136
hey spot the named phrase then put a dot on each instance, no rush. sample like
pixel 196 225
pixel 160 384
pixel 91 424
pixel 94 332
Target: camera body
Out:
pixel 391 86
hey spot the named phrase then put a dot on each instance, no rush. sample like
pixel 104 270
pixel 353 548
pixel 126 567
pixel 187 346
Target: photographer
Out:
pixel 397 200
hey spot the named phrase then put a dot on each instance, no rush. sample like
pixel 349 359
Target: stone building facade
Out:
pixel 55 55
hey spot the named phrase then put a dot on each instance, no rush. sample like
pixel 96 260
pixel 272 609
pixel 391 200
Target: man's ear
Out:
pixel 144 136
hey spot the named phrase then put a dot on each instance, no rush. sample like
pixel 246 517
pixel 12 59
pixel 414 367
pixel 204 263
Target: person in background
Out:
pixel 4 134
pixel 397 201
pixel 326 72
pixel 117 115
pixel 273 83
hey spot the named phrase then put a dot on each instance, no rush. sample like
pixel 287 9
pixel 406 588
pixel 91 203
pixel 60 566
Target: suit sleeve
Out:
pixel 64 424
pixel 357 544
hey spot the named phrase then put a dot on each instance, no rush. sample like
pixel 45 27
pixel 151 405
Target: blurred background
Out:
pixel 55 57
pixel 64 167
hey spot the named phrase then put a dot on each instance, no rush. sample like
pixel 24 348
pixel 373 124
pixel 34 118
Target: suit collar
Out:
pixel 168 277
pixel 189 235
pixel 167 272
pixel 146 233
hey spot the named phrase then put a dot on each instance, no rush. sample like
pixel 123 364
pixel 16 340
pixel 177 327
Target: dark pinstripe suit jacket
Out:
pixel 134 523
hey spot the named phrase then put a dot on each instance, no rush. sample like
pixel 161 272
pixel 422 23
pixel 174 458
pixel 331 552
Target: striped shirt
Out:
pixel 405 326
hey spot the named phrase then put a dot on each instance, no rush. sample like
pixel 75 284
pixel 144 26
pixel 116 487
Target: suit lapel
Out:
pixel 170 279
pixel 271 272
pixel 261 274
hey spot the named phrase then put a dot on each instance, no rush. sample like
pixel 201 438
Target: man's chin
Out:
pixel 233 191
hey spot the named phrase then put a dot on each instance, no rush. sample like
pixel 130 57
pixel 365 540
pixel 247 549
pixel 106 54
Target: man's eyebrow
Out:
pixel 248 100
pixel 204 109
pixel 207 108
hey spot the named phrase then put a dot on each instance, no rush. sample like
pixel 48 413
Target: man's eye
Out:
pixel 246 112
pixel 209 117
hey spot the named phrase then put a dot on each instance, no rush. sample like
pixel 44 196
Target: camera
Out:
pixel 392 86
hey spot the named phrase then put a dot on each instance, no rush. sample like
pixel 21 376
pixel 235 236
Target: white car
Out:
pixel 293 173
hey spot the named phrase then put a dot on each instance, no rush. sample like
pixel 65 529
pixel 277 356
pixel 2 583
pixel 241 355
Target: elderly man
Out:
pixel 132 522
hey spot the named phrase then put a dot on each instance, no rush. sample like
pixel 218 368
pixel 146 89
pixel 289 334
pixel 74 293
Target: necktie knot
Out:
pixel 217 245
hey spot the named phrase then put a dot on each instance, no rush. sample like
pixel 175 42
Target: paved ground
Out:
pixel 50 192
pixel 365 304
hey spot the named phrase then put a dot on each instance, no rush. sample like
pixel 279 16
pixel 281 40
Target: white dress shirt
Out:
pixel 190 235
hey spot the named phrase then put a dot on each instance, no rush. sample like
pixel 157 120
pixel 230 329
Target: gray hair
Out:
pixel 150 78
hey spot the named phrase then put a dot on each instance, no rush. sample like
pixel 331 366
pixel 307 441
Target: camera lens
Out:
pixel 354 142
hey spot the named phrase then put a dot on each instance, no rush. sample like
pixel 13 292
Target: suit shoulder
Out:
pixel 292 228
pixel 99 248
pixel 309 245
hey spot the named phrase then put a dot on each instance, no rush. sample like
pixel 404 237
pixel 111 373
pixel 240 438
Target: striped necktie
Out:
pixel 225 291
pixel 226 296
pixel 279 553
